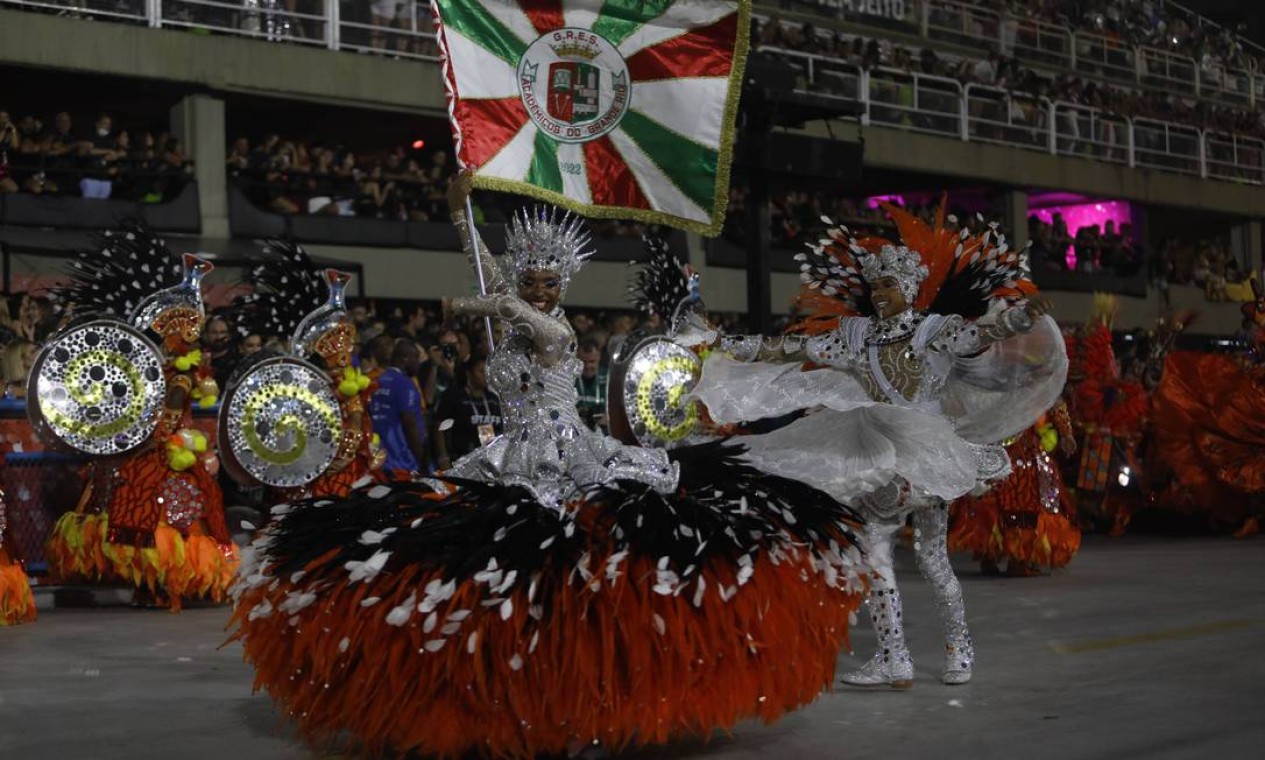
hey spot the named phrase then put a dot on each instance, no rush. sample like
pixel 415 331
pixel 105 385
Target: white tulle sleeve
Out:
pixel 999 392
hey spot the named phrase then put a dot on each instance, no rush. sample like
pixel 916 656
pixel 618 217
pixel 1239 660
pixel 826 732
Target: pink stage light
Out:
pixel 1087 215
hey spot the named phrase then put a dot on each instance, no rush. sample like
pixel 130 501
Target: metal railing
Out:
pixel 1167 146
pixel 961 23
pixel 1235 158
pixel 1055 46
pixel 994 115
pixel 1086 132
pixel 914 101
pixel 333 24
pixel 353 26
pixel 976 113
pixel 129 10
pixel 1041 42
pixel 1167 70
pixel 1105 57
pixel 822 74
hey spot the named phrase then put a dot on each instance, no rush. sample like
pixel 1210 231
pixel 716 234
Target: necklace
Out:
pixel 880 332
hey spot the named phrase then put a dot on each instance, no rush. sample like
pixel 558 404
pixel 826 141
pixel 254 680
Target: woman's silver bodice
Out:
pixel 545 446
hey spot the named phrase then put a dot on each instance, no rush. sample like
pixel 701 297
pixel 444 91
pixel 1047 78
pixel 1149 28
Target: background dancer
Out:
pixel 163 529
pixel 16 603
pixel 293 297
pixel 1029 519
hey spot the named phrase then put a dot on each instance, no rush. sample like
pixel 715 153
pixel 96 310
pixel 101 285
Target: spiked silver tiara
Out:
pixel 898 262
pixel 543 237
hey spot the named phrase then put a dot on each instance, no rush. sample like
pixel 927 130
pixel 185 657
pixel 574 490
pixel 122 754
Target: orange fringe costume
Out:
pixel 144 523
pixel 1209 426
pixel 16 603
pixel 75 548
pixel 1029 519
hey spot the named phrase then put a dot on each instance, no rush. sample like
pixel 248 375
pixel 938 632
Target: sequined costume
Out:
pixel 153 518
pixel 288 299
pixel 904 413
pixel 546 447
pixel 16 603
pixel 1028 520
pixel 567 590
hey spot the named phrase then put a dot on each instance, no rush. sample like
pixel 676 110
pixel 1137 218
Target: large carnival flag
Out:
pixel 613 108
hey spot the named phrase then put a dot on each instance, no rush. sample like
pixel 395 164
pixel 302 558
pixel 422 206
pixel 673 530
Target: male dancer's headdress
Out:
pixel 897 262
pixel 940 270
pixel 288 301
pixel 543 237
pixel 129 273
pixel 663 286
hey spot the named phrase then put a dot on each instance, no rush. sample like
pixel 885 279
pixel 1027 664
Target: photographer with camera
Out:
pixel 440 370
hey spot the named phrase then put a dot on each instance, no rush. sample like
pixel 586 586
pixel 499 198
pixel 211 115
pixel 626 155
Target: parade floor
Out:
pixel 1145 648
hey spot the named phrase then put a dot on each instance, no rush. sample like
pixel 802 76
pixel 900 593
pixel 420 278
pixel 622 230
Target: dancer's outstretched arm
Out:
pixel 962 338
pixel 458 192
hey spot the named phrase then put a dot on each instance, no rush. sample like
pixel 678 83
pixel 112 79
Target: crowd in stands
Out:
pixel 1149 23
pixel 102 160
pixel 292 176
pixel 1026 84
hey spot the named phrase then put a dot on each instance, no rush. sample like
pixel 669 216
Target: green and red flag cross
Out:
pixel 612 108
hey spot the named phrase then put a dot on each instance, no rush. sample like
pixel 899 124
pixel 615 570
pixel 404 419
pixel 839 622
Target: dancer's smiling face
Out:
pixel 886 297
pixel 541 288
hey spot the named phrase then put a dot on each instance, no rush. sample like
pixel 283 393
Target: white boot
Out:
pixel 891 665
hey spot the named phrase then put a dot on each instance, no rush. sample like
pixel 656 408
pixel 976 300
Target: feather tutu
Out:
pixel 484 622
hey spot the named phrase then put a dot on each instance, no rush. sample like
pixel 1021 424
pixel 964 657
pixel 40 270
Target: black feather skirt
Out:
pixel 480 621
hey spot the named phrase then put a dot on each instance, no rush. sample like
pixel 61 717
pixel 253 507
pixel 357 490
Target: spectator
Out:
pixel 36 319
pixel 10 141
pixel 217 342
pixel 18 358
pixel 239 157
pixel 441 365
pixel 252 344
pixel 475 412
pixel 591 385
pixel 399 418
pixel 102 152
pixel 375 356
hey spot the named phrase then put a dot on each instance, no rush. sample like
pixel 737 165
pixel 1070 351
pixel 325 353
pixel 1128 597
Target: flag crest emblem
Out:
pixel 611 108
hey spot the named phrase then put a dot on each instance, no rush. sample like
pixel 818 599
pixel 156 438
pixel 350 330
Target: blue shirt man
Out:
pixel 399 418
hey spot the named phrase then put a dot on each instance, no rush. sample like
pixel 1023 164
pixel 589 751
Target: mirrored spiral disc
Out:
pixel 647 396
pixel 97 389
pixel 280 424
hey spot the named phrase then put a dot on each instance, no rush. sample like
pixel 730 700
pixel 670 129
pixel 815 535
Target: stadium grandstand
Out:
pixel 1124 138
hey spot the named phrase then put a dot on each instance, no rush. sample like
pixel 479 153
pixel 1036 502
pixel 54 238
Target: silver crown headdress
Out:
pixel 898 262
pixel 543 237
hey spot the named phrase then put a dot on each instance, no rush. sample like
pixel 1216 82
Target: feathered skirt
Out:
pixel 1029 518
pixel 483 622
pixel 159 529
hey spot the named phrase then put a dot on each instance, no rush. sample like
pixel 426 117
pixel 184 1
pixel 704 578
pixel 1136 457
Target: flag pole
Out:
pixel 450 92
pixel 478 270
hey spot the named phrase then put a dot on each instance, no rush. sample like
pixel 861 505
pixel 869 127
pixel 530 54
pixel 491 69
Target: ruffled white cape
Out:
pixel 850 445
